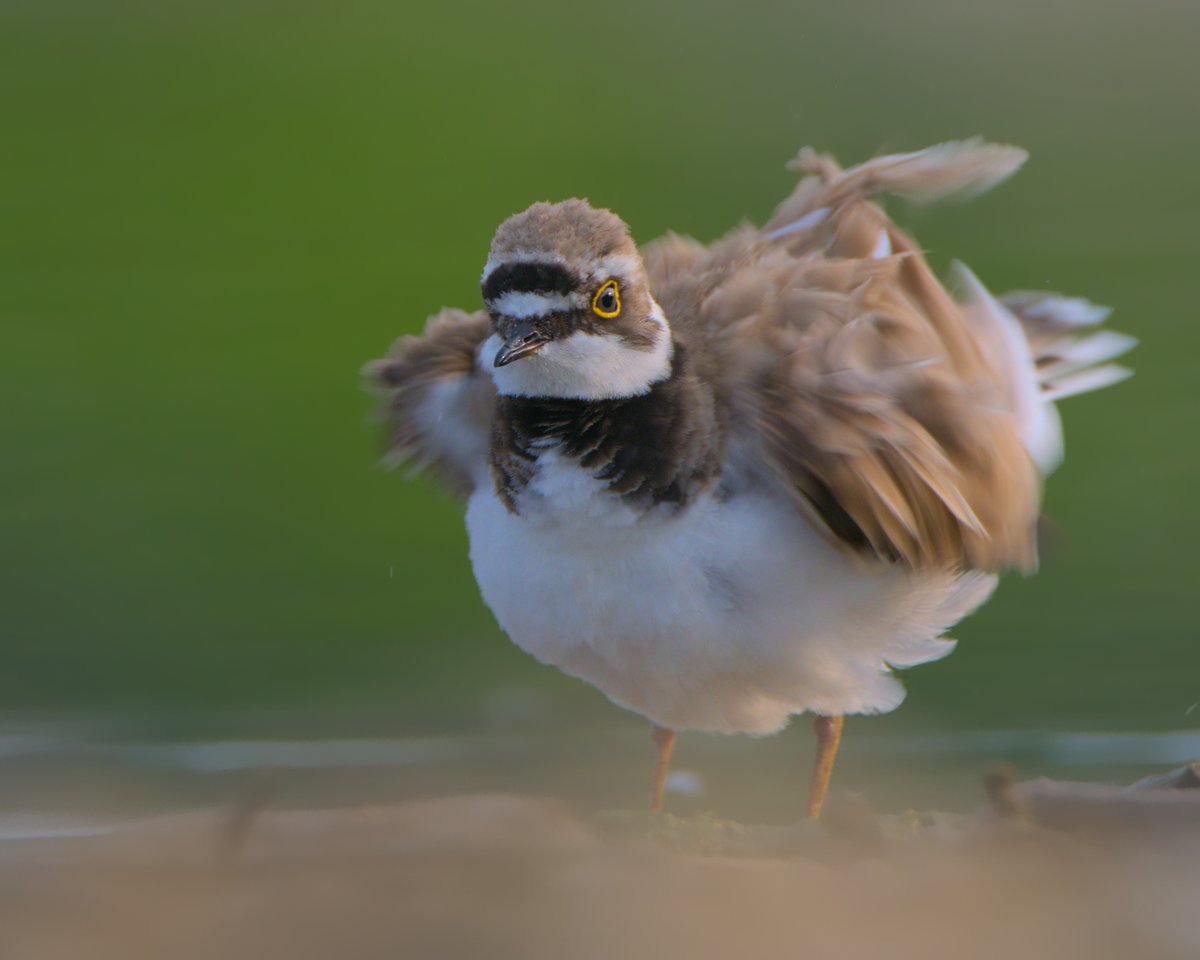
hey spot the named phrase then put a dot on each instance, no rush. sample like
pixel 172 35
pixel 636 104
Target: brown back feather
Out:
pixel 853 382
pixel 846 373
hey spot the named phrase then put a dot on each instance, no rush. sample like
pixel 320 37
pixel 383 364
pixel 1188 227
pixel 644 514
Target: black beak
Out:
pixel 523 341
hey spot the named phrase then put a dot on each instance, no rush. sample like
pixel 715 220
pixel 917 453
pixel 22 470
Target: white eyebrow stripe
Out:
pixel 618 264
pixel 523 304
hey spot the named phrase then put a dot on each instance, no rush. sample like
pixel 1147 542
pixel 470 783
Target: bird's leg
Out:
pixel 664 742
pixel 829 735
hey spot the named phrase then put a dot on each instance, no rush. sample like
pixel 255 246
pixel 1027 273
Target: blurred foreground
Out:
pixel 1043 872
pixel 451 847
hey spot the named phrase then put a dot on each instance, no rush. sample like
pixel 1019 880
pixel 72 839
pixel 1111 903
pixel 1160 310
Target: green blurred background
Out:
pixel 212 213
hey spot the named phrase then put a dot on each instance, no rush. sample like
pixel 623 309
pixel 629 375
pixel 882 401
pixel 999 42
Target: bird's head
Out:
pixel 572 314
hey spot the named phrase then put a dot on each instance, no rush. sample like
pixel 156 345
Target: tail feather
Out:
pixel 1052 311
pixel 1085 381
pixel 1081 353
pixel 1070 355
pixel 1045 347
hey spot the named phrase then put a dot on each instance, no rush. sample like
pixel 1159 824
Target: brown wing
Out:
pixel 436 401
pixel 852 380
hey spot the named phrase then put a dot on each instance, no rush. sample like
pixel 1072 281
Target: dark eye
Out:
pixel 607 301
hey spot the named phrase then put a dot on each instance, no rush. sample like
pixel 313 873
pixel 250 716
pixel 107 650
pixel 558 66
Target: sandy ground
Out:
pixel 504 876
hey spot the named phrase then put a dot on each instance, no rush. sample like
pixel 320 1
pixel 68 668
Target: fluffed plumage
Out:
pixel 891 414
pixel 818 374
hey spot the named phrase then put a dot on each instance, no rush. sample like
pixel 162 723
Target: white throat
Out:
pixel 584 366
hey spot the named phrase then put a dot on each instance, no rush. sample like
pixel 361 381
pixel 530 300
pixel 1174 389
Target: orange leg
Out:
pixel 664 742
pixel 829 735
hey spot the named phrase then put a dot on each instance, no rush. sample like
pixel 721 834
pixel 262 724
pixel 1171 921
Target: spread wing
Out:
pixel 436 401
pixel 853 382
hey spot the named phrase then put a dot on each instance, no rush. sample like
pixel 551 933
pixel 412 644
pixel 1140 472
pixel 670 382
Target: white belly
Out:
pixel 729 615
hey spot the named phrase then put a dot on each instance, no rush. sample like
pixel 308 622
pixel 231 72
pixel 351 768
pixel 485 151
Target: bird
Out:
pixel 731 483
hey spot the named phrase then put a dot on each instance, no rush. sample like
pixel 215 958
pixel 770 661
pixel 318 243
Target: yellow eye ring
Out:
pixel 607 301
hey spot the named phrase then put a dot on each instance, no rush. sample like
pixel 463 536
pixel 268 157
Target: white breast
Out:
pixel 728 615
